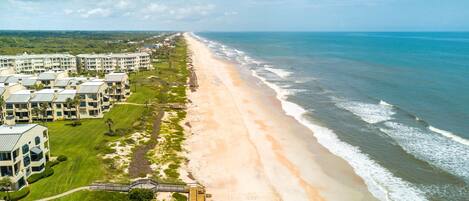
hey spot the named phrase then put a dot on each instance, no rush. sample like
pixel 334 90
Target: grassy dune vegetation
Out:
pixel 85 144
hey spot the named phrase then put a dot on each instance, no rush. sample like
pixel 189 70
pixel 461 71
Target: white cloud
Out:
pixel 97 12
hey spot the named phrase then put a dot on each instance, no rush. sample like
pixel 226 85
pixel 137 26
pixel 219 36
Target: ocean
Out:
pixel 395 106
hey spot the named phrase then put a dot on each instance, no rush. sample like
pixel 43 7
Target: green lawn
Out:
pixel 84 144
pixel 79 144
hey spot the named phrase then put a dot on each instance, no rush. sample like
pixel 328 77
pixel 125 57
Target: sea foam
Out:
pixel 279 72
pixel 438 150
pixel 368 112
pixel 449 135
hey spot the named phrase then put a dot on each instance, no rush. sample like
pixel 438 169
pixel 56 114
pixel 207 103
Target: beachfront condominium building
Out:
pixel 127 62
pixel 24 151
pixel 37 63
pixel 5 91
pixel 66 105
pixel 92 99
pixel 17 105
pixel 118 86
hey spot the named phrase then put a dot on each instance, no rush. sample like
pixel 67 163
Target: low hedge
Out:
pixel 62 158
pixel 36 177
pixel 16 195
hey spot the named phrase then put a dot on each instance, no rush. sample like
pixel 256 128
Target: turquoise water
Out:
pixel 394 105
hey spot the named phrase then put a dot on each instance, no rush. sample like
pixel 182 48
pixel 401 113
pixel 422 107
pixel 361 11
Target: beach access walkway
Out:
pixel 195 191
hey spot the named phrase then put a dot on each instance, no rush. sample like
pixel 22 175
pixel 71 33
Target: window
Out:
pixel 59 114
pixel 37 139
pixel 26 161
pixel 5 156
pixel 58 105
pixel 16 153
pixel 9 106
pixel 25 149
pixel 82 104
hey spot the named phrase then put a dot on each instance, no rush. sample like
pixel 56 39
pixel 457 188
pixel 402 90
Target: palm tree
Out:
pixel 69 102
pixel 109 123
pixel 5 185
pixel 43 109
pixel 2 104
pixel 36 112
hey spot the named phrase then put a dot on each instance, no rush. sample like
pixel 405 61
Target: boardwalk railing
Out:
pixel 142 183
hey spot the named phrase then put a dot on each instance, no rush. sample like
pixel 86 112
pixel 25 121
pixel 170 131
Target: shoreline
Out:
pixel 240 130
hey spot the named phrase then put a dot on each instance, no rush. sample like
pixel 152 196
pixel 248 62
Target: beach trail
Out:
pixel 242 146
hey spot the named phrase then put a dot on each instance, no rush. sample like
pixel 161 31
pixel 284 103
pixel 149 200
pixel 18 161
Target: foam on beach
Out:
pixel 380 181
pixel 279 72
pixel 368 112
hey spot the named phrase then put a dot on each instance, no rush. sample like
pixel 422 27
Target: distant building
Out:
pixel 37 63
pixel 128 62
pixel 24 151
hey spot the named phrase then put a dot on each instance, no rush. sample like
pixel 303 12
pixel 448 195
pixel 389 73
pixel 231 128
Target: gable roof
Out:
pixel 47 76
pixel 90 87
pixel 115 77
pixel 64 95
pixel 21 96
pixel 9 135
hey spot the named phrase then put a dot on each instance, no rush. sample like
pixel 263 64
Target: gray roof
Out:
pixel 42 97
pixel 12 79
pixel 9 136
pixel 62 82
pixel 89 87
pixel 36 150
pixel 30 81
pixel 45 95
pixel 64 95
pixel 4 78
pixel 115 77
pixel 47 76
pixel 22 96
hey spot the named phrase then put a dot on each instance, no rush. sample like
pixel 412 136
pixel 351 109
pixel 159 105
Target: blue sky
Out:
pixel 240 15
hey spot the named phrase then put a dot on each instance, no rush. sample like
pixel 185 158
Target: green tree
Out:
pixel 109 123
pixel 72 103
pixel 2 104
pixel 5 186
pixel 38 87
pixel 140 194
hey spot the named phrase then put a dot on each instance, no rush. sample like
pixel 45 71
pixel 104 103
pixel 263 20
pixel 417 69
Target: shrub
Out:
pixel 140 194
pixel 62 158
pixel 110 133
pixel 36 177
pixel 16 195
pixel 76 123
pixel 52 163
pixel 179 197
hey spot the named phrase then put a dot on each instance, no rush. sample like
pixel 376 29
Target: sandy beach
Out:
pixel 242 146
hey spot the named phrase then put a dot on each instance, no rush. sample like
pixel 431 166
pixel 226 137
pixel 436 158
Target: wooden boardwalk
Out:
pixel 142 183
pixel 195 191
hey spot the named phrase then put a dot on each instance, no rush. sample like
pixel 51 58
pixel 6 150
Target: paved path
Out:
pixel 65 193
